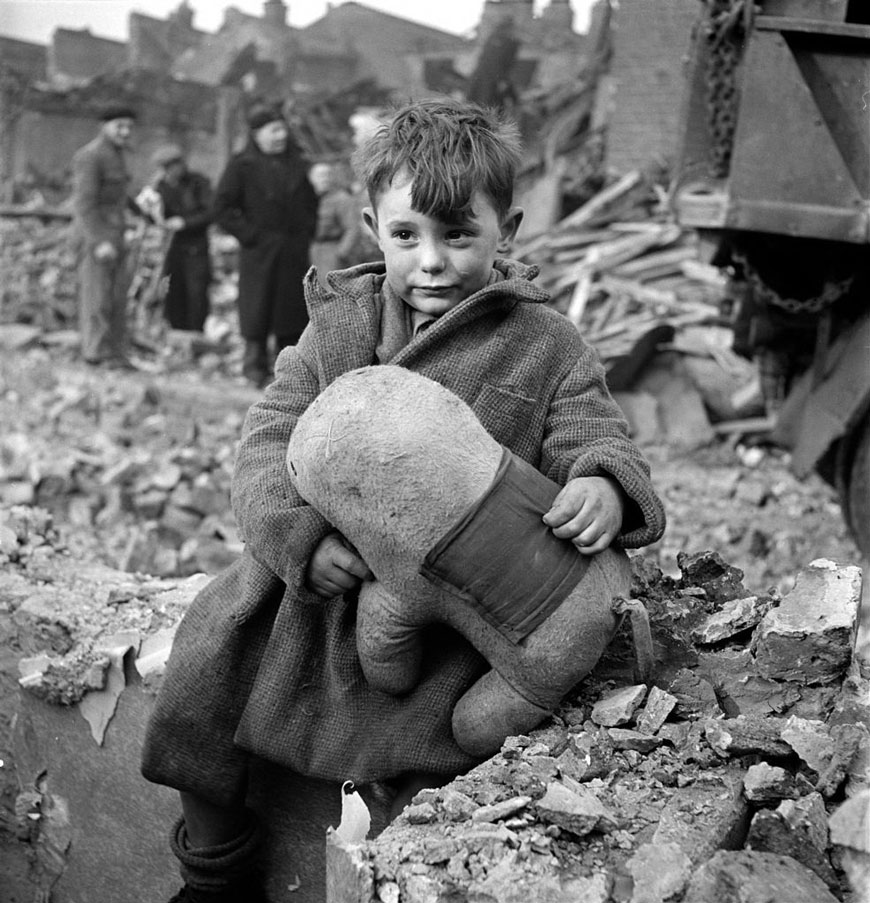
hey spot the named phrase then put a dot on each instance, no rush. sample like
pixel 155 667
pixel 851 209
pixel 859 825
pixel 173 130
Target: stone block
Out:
pixel 660 872
pixel 659 705
pixel 770 832
pixel 619 706
pixel 747 735
pixel 765 783
pixel 695 696
pixel 574 808
pixel 706 816
pixel 809 637
pixel 811 740
pixel 850 831
pixel 633 740
pixel 745 876
pixel 733 617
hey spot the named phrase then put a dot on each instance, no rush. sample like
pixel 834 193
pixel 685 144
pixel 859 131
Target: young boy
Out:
pixel 264 664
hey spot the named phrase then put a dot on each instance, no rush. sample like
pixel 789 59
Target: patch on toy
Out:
pixel 502 559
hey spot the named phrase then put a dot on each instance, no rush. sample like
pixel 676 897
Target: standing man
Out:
pixel 186 207
pixel 100 200
pixel 265 200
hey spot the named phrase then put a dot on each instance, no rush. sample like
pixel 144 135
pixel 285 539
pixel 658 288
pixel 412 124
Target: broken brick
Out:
pixel 770 832
pixel 811 740
pixel 705 816
pixel 619 706
pixel 809 637
pixel 733 617
pixel 575 808
pixel 746 734
pixel 695 696
pixel 633 741
pixel 765 783
pixel 660 872
pixel 744 876
pixel 659 705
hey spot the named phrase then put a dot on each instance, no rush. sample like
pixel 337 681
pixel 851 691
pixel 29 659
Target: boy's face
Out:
pixel 433 265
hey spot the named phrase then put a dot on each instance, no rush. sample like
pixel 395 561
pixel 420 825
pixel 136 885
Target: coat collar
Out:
pixel 345 309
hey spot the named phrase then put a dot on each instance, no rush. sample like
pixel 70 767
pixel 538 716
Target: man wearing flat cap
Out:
pixel 186 211
pixel 100 199
pixel 265 200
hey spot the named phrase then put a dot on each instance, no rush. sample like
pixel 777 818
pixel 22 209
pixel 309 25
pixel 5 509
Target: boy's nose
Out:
pixel 431 257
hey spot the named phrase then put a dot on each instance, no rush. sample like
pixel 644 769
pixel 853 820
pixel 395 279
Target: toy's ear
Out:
pixel 371 220
pixel 508 229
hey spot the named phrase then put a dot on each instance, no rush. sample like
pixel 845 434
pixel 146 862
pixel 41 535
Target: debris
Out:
pixel 765 783
pixel 659 705
pixel 619 706
pixel 809 637
pixel 749 877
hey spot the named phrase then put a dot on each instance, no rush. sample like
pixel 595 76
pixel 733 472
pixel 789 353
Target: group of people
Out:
pixel 284 214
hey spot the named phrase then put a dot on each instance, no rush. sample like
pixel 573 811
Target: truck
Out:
pixel 773 170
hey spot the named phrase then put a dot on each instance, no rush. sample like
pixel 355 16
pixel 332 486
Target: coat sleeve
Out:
pixel 280 530
pixel 587 435
pixel 86 197
pixel 229 205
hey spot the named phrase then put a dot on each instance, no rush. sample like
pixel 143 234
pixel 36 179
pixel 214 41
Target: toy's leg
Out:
pixel 389 646
pixel 491 711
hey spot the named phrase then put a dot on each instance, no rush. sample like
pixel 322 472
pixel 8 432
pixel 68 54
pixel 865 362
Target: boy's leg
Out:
pixel 218 849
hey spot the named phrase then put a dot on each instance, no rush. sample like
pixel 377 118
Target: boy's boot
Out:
pixel 221 874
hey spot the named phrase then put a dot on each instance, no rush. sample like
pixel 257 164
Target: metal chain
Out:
pixel 724 34
pixel 830 294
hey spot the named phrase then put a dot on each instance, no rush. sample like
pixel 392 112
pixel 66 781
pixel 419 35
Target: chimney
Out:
pixel 275 13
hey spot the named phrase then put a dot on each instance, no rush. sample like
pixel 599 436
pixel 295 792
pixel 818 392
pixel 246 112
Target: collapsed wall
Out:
pixel 739 767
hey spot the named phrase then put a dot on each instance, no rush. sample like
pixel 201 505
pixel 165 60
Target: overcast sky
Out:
pixel 35 20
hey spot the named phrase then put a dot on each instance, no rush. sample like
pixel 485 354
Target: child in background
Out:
pixel 264 663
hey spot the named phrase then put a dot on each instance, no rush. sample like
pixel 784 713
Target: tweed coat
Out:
pixel 268 204
pixel 262 664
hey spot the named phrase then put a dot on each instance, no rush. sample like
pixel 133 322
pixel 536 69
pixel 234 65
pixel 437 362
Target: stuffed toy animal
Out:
pixel 449 522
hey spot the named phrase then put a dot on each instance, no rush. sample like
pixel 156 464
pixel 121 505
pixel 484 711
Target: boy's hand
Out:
pixel 334 568
pixel 588 511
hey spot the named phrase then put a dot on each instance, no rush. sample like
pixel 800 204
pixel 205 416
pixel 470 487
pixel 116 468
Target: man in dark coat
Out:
pixel 186 202
pixel 265 200
pixel 100 199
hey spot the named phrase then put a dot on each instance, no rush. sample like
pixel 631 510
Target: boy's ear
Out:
pixel 371 220
pixel 508 229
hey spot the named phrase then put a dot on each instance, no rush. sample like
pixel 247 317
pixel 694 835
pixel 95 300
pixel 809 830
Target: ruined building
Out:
pixel 191 86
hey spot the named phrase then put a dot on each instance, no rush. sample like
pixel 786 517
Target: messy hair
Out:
pixel 449 149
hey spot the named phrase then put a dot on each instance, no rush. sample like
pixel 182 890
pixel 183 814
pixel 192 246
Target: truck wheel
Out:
pixel 855 493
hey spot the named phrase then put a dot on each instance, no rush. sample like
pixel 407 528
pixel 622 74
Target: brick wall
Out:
pixel 651 43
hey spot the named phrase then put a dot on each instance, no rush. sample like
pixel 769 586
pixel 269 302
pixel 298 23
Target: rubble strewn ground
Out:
pixel 714 785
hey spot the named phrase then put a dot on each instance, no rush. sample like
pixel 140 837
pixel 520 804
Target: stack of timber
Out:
pixel 619 266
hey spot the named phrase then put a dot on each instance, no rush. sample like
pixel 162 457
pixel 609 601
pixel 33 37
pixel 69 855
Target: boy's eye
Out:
pixel 403 234
pixel 456 234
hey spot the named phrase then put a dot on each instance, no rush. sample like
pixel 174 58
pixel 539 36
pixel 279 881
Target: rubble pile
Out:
pixel 138 471
pixel 40 278
pixel 739 773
